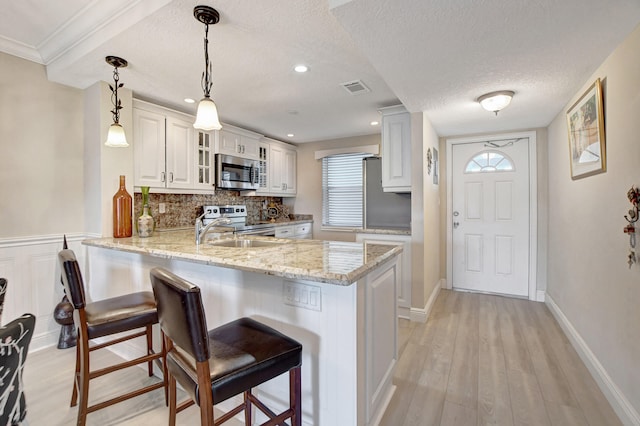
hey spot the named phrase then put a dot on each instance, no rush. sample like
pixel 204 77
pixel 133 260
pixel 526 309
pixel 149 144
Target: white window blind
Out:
pixel 342 190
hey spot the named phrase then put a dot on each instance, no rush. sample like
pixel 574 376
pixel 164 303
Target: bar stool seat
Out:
pixel 215 365
pixel 121 313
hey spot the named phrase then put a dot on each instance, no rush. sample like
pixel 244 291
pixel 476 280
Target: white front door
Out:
pixel 490 216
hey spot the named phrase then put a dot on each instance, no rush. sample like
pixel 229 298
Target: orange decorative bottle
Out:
pixel 122 212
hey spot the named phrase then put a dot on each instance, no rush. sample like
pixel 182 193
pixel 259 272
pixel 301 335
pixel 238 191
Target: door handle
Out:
pixel 456 224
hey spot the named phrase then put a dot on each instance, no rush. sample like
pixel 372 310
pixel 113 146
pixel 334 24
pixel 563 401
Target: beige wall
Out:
pixel 309 197
pixel 429 238
pixel 41 152
pixel 588 278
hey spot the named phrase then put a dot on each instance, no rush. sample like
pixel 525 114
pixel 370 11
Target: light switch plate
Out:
pixel 302 295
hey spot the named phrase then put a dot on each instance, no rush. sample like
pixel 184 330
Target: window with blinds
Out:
pixel 342 190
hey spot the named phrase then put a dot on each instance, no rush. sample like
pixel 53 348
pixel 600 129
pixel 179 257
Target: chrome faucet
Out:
pixel 201 229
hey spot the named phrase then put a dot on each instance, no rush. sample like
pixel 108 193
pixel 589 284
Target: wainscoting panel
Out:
pixel 30 266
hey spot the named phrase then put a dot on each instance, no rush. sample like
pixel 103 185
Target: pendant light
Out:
pixel 116 137
pixel 495 101
pixel 207 115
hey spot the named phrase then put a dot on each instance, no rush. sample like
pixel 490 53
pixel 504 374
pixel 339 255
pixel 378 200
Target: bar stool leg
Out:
pixel 247 407
pixel 172 401
pixel 165 372
pixel 83 382
pixel 295 402
pixel 76 378
pixel 150 348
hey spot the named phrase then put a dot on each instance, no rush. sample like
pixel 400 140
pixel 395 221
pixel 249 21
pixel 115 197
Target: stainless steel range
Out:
pixel 238 216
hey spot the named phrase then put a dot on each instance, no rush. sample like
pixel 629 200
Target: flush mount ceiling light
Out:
pixel 116 137
pixel 301 68
pixel 495 101
pixel 207 115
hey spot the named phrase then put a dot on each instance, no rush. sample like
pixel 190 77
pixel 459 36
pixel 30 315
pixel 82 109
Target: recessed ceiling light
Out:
pixel 301 68
pixel 290 135
pixel 189 100
pixel 374 123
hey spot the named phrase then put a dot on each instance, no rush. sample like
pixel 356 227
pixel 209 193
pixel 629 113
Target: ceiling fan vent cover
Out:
pixel 355 87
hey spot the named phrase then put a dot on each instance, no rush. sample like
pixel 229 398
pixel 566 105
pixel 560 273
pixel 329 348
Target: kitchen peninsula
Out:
pixel 337 298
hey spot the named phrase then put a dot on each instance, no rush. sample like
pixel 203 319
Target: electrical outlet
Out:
pixel 162 208
pixel 302 295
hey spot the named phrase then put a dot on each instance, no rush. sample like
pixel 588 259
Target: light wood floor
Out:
pixel 490 360
pixel 479 360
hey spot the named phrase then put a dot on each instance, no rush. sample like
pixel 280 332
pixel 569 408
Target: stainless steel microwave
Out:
pixel 236 173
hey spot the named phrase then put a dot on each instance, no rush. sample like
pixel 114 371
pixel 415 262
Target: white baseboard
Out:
pixel 44 340
pixel 421 314
pixel 540 294
pixel 621 405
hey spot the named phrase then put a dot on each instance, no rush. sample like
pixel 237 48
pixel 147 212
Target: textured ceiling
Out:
pixel 434 56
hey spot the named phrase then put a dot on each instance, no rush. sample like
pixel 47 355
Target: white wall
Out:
pixel 41 152
pixel 588 277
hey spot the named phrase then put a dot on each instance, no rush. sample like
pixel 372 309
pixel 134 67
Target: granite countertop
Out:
pixel 333 262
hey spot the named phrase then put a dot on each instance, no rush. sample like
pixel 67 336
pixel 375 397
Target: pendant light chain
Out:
pixel 117 103
pixel 208 66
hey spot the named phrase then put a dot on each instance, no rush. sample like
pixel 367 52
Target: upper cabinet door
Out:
pixel 290 164
pixel 396 149
pixel 276 168
pixel 180 154
pixel 149 148
pixel 229 142
pixel 205 170
pixel 263 174
pixel 282 163
pixel 238 142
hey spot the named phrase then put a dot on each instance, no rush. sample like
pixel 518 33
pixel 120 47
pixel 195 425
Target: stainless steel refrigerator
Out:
pixel 383 210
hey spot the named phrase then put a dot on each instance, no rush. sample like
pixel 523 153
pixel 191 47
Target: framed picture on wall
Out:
pixel 585 123
pixel 436 166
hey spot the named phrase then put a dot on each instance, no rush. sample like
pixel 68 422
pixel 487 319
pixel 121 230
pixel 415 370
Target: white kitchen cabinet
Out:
pixel 180 153
pixel 298 231
pixel 238 142
pixel 403 290
pixel 396 149
pixel 282 169
pixel 263 173
pixel 303 231
pixel 166 155
pixel 287 231
pixel 205 169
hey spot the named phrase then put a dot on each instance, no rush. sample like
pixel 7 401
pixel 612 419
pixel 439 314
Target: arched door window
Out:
pixel 489 161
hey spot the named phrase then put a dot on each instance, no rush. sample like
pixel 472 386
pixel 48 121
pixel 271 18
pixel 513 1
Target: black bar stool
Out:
pixel 214 365
pixel 104 318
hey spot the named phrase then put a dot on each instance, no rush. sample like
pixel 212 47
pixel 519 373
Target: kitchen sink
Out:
pixel 244 243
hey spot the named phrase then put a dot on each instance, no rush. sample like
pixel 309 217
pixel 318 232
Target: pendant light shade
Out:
pixel 116 137
pixel 495 101
pixel 207 115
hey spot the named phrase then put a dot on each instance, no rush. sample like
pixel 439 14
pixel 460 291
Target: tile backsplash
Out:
pixel 181 210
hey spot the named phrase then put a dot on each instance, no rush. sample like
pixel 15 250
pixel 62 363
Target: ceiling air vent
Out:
pixel 355 87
